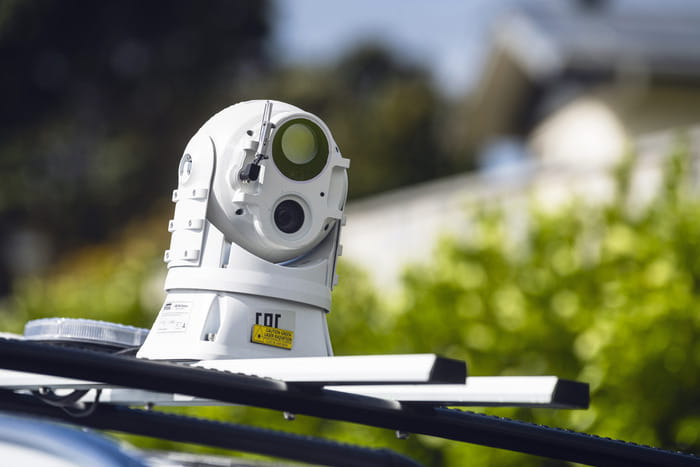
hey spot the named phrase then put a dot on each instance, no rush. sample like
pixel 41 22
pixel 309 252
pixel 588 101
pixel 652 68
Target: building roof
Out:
pixel 543 54
pixel 554 41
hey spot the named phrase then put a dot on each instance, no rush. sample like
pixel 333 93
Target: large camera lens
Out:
pixel 289 216
pixel 300 149
pixel 299 144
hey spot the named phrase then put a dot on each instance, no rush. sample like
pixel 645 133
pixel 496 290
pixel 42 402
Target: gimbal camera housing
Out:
pixel 255 236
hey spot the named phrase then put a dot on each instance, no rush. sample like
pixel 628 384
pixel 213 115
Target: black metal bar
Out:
pixel 239 389
pixel 216 434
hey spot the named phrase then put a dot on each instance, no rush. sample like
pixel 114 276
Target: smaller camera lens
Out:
pixel 289 216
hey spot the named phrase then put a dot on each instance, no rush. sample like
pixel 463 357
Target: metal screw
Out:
pixel 402 434
pixel 289 416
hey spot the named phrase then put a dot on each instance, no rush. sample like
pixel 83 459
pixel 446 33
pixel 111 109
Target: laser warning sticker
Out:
pixel 275 337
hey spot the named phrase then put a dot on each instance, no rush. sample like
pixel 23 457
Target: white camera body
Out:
pixel 255 237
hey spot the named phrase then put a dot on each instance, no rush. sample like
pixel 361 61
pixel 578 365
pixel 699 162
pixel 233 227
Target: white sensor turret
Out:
pixel 259 207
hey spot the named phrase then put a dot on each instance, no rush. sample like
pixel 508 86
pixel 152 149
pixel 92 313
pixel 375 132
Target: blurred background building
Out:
pixel 576 85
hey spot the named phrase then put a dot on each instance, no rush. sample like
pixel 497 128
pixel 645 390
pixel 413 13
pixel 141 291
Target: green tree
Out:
pixel 604 294
pixel 99 100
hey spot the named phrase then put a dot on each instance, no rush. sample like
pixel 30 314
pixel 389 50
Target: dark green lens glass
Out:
pixel 300 149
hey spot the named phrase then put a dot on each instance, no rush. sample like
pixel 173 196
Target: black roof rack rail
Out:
pixel 259 392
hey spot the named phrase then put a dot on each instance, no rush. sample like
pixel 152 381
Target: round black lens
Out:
pixel 289 216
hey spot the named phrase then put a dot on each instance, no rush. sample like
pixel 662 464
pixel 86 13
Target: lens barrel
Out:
pixel 300 149
pixel 289 216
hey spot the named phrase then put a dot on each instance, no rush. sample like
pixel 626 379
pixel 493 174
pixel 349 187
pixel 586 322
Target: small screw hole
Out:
pixel 326 227
pixel 239 211
pixel 322 194
pixel 249 132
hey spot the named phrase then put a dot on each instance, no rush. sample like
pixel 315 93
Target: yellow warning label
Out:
pixel 272 336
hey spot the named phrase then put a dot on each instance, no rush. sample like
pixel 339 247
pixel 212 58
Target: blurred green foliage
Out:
pixel 101 95
pixel 607 294
pixel 120 282
pixel 604 294
pixel 99 100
